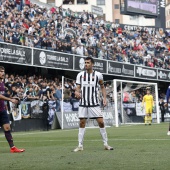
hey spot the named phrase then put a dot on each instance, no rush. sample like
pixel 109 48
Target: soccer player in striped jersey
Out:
pixel 87 90
pixel 168 94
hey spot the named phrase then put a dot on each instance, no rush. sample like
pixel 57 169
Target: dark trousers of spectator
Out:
pixel 162 116
pixel 58 106
pixel 45 116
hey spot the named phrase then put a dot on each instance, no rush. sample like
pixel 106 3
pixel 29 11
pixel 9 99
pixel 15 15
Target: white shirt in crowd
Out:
pixel 80 50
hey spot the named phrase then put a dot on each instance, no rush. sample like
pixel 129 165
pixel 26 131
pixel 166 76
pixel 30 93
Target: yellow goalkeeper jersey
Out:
pixel 148 99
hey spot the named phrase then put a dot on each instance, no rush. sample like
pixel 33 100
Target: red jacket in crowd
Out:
pixel 27 2
pixel 119 30
pixel 18 2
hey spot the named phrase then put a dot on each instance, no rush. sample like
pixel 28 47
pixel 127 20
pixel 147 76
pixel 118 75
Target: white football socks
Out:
pixel 81 136
pixel 82 132
pixel 104 135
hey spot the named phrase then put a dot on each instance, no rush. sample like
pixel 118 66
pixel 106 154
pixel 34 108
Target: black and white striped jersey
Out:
pixel 89 83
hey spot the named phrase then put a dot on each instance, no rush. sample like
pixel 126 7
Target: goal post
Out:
pixel 130 112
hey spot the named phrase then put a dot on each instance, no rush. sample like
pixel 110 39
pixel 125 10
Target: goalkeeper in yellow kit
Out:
pixel 149 105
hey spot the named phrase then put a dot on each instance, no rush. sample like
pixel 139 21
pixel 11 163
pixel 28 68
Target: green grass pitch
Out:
pixel 136 147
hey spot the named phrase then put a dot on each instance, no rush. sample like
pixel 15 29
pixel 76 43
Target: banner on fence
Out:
pixel 145 72
pixel 15 54
pixel 16 111
pixel 130 108
pixel 120 69
pixel 37 109
pixel 53 59
pixel 71 119
pixel 164 75
pixel 108 116
pixel 32 109
pixel 139 110
pixel 25 109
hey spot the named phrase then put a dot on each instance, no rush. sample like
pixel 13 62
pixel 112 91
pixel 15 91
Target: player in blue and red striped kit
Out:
pixel 167 100
pixel 168 94
pixel 4 120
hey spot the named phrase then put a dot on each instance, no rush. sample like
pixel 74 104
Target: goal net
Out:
pixel 124 103
pixel 128 96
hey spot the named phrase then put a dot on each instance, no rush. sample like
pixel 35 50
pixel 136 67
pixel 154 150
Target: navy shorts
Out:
pixel 4 119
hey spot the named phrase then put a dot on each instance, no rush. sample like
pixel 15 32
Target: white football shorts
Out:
pixel 90 112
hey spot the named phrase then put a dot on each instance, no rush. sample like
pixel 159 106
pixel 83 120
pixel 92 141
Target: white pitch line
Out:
pixel 58 140
pixel 42 132
pixel 35 133
pixel 57 131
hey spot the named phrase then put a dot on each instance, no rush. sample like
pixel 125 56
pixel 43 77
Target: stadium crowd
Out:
pixel 30 88
pixel 83 34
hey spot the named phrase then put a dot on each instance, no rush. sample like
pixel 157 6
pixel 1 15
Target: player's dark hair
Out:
pixel 2 68
pixel 90 58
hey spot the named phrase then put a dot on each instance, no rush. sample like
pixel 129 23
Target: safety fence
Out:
pixel 69 119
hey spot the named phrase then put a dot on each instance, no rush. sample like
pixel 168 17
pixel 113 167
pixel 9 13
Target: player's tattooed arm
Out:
pixel 103 92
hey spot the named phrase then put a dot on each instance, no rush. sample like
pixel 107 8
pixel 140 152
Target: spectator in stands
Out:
pixel 58 96
pixel 43 22
pixel 53 91
pixel 28 86
pixel 9 38
pixel 23 82
pixel 37 91
pixel 45 91
pixel 37 42
pixel 8 83
pixel 27 3
pixel 44 43
pixel 20 93
pixel 30 95
pixel 49 44
pixel 18 2
pixel 132 96
pixel 80 50
pixel 17 82
pixel 132 59
pixel 13 92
